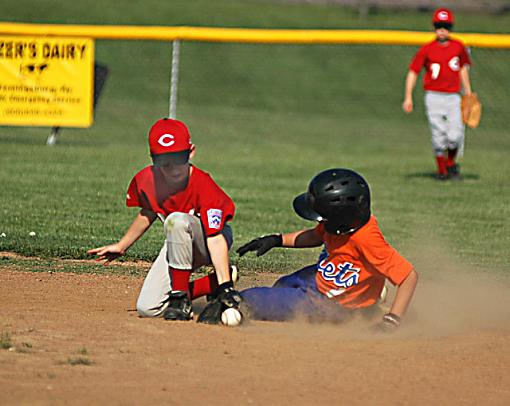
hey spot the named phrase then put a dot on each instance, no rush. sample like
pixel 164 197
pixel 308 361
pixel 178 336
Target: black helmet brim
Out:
pixel 302 208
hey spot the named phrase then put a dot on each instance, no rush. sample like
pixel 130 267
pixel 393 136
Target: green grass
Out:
pixel 79 361
pixel 265 119
pixel 235 13
pixel 34 264
pixel 5 341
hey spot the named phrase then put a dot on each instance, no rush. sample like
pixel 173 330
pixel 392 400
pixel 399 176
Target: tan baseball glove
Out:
pixel 471 110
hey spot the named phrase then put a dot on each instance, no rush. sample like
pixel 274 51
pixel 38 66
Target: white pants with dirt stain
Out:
pixel 184 248
pixel 445 121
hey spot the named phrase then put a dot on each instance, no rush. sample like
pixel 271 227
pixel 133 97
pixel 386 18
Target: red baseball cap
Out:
pixel 443 16
pixel 169 139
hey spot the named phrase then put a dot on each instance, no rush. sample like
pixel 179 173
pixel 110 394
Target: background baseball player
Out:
pixel 351 274
pixel 446 61
pixel 195 211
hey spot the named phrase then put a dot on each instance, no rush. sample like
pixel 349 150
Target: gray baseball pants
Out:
pixel 184 248
pixel 445 121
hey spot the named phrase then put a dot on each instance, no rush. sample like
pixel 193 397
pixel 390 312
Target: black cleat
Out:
pixel 454 172
pixel 179 306
pixel 440 177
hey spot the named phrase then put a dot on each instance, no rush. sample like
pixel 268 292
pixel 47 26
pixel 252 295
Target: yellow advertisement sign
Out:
pixel 46 81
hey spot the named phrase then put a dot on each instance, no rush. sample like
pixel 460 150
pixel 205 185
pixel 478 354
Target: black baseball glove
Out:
pixel 261 244
pixel 223 297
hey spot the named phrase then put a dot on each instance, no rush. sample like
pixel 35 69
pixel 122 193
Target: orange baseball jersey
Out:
pixel 357 265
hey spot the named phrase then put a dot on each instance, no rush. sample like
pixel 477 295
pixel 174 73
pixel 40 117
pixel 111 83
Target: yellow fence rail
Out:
pixel 248 35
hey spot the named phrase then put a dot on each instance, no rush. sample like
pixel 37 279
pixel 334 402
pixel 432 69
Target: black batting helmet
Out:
pixel 338 197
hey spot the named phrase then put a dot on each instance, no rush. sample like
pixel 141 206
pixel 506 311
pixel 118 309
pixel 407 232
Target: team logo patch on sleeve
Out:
pixel 214 218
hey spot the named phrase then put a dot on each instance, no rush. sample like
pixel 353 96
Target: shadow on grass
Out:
pixel 37 139
pixel 432 175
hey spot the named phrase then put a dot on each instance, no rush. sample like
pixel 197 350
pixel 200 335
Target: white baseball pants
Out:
pixel 184 248
pixel 445 121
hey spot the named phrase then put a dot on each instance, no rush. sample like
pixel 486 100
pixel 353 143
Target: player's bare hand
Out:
pixel 107 253
pixel 407 106
pixel 261 244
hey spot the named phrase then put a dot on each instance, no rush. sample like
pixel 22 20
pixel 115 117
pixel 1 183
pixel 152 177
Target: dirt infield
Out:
pixel 76 339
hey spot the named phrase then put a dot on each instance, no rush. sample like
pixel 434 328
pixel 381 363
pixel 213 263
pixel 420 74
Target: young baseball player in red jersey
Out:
pixel 352 271
pixel 446 61
pixel 195 212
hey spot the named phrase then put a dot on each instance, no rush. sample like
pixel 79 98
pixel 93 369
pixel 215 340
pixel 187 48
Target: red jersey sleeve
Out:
pixel 383 257
pixel 464 58
pixel 136 196
pixel 419 60
pixel 216 207
pixel 132 197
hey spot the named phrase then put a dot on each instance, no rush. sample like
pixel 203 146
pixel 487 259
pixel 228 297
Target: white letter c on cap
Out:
pixel 443 15
pixel 166 140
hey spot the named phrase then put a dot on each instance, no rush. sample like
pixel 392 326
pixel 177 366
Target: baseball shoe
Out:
pixel 454 172
pixel 440 177
pixel 179 306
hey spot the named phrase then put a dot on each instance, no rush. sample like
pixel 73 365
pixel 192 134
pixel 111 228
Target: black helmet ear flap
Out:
pixel 303 208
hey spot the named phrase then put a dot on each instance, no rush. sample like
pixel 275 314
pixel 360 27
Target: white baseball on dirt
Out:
pixel 231 317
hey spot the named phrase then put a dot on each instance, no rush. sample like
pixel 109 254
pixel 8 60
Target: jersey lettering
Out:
pixel 435 69
pixel 454 64
pixel 343 275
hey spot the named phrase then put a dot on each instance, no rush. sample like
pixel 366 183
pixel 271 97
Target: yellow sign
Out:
pixel 46 81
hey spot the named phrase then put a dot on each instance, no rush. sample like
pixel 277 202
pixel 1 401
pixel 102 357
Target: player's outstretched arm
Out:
pixel 218 250
pixel 138 227
pixel 307 238
pixel 299 239
pixel 225 296
pixel 405 292
pixel 261 245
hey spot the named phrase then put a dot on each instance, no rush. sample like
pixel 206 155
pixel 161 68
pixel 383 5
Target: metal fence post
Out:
pixel 174 80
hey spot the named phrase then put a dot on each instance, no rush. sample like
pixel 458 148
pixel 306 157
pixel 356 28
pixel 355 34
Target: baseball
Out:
pixel 231 317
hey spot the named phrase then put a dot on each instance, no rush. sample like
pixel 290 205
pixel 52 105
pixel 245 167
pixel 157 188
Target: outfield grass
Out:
pixel 234 13
pixel 265 119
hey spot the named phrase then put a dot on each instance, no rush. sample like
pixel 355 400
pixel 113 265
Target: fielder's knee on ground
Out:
pixel 148 309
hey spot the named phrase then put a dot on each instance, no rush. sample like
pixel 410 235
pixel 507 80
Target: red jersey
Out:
pixel 442 63
pixel 201 197
pixel 357 265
